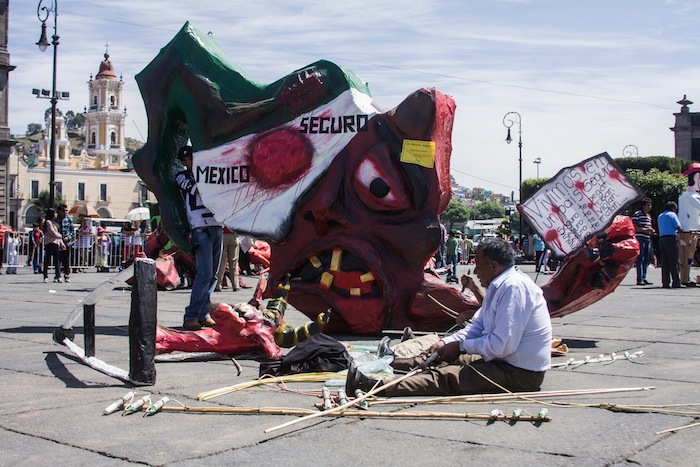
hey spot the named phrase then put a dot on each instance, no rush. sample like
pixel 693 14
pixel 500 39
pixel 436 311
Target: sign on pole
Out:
pixel 579 202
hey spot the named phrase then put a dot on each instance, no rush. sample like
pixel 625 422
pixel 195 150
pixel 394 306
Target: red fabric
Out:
pixel 592 272
pixel 167 276
pixel 232 334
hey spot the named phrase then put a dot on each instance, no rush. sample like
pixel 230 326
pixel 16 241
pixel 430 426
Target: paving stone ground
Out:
pixel 51 404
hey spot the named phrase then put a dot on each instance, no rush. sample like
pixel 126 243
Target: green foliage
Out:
pixel 660 163
pixel 74 121
pixel 455 212
pixel 487 210
pixel 531 185
pixel 33 128
pixel 504 230
pixel 659 186
pixel 44 197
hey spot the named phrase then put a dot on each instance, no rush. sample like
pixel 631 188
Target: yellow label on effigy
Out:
pixel 418 152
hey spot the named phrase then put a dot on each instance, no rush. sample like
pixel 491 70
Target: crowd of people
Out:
pixel 678 231
pixel 458 248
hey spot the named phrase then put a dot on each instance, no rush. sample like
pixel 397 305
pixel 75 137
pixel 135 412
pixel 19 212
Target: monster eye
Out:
pixel 378 188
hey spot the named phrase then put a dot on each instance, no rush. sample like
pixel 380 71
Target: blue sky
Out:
pixel 586 77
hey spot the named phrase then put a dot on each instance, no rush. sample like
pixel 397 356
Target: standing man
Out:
pixel 643 231
pixel 539 251
pixel 669 225
pixel 229 256
pixel 206 235
pixel 509 339
pixel 689 216
pixel 451 251
pixel 65 224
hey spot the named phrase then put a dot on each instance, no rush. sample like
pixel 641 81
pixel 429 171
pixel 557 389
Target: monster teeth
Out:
pixel 335 260
pixel 355 291
pixel 367 277
pixel 315 262
pixel 326 279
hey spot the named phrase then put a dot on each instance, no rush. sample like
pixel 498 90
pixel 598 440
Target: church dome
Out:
pixel 106 69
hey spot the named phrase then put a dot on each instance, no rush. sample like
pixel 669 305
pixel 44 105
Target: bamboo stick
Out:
pixel 503 396
pixel 678 428
pixel 351 413
pixel 298 378
pixel 445 309
pixel 348 404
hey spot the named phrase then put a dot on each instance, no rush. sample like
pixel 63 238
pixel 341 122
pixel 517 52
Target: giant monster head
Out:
pixel 349 197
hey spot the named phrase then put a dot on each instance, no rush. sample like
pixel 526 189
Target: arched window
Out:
pixel 112 100
pixel 94 99
pixel 32 215
pixel 112 138
pixel 93 138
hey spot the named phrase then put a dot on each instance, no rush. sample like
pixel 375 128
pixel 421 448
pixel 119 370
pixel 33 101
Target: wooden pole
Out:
pixel 351 413
pixel 502 396
pixel 348 404
pixel 142 323
pixel 89 329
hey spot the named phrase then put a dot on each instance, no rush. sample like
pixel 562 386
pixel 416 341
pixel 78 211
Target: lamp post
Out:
pixel 538 161
pixel 630 150
pixel 43 13
pixel 510 119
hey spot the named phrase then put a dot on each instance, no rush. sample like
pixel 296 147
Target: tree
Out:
pixel 74 121
pixel 43 200
pixel 455 212
pixel 33 128
pixel 661 187
pixel 487 210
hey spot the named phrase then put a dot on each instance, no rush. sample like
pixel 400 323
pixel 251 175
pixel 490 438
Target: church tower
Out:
pixel 105 117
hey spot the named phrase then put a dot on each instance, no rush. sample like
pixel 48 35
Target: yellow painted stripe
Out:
pixel 367 277
pixel 327 279
pixel 335 260
pixel 315 262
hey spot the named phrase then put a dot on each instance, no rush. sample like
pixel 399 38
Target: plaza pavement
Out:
pixel 51 404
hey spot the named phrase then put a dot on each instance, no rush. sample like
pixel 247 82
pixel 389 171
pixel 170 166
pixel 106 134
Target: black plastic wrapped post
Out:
pixel 142 323
pixel 89 329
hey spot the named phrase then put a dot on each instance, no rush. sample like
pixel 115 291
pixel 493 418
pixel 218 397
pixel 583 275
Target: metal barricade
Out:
pixel 86 252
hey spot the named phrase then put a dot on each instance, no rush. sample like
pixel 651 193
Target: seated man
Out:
pixel 507 342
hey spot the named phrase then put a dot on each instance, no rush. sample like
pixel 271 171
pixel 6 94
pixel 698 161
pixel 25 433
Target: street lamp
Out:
pixel 630 150
pixel 538 161
pixel 43 12
pixel 510 119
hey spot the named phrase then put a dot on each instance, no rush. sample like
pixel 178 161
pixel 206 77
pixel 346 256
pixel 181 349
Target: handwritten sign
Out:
pixel 418 152
pixel 579 202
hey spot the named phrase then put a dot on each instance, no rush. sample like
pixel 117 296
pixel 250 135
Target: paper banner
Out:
pixel 579 202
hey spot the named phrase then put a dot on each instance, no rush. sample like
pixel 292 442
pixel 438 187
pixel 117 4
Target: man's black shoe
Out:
pixel 358 380
pixel 407 334
pixel 646 282
pixel 383 350
pixel 690 284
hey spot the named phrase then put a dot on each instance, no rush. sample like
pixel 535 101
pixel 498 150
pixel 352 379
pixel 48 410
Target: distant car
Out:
pixel 479 237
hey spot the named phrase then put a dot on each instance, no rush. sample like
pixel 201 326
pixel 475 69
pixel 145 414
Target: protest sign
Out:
pixel 579 202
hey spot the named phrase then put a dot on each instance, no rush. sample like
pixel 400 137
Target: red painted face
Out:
pixel 361 236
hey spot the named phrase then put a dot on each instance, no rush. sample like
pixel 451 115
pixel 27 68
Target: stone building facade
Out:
pixel 6 141
pixel 99 176
pixel 687 132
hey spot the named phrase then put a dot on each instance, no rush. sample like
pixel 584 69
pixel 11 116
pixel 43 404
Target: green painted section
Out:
pixel 191 90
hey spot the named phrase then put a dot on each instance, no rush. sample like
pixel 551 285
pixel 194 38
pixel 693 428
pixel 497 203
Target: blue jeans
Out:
pixel 207 252
pixel 452 262
pixel 643 259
